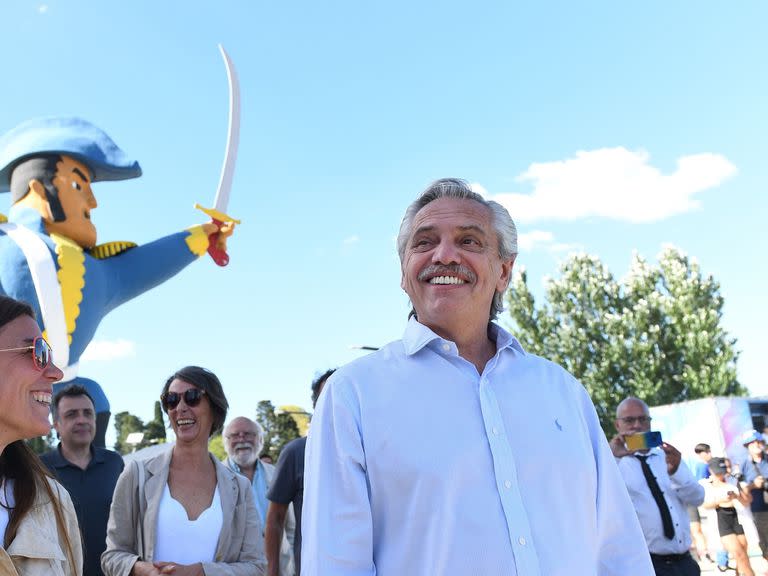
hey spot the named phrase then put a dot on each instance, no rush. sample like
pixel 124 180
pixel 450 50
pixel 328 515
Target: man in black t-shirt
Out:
pixel 288 488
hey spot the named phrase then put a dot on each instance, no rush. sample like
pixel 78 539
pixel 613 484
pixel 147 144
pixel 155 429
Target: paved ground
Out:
pixel 759 565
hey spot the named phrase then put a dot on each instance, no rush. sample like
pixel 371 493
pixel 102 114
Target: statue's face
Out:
pixel 73 183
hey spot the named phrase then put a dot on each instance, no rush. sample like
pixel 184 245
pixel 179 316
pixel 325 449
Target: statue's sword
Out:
pixel 218 212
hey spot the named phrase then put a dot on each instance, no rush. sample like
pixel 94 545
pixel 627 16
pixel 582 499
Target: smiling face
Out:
pixel 241 442
pixel 451 266
pixel 25 391
pixel 190 424
pixel 75 421
pixel 73 183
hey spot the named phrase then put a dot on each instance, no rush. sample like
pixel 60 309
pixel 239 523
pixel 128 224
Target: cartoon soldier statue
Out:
pixel 48 251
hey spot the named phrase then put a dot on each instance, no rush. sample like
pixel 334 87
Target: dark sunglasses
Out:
pixel 192 398
pixel 41 352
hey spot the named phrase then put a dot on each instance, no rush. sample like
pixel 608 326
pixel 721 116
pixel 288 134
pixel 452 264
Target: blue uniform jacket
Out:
pixel 108 282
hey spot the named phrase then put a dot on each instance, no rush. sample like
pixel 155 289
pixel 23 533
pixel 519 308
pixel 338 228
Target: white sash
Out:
pixel 43 272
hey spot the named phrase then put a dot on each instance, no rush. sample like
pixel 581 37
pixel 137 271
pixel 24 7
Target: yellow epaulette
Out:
pixel 109 249
pixel 3 218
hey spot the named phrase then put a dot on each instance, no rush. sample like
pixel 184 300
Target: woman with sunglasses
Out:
pixel 183 512
pixel 38 525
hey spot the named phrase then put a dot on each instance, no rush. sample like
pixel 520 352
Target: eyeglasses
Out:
pixel 246 435
pixel 41 355
pixel 629 420
pixel 192 398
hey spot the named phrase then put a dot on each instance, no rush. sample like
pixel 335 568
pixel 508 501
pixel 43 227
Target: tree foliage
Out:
pixel 154 431
pixel 42 444
pixel 127 423
pixel 216 447
pixel 656 334
pixel 279 428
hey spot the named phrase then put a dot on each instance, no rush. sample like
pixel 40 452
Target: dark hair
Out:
pixel 41 167
pixel 10 309
pixel 205 380
pixel 701 447
pixel 317 384
pixel 71 391
pixel 19 462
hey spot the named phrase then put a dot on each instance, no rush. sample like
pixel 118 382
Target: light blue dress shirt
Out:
pixel 417 465
pixel 259 487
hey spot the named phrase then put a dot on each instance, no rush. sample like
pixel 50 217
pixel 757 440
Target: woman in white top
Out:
pixel 722 496
pixel 38 525
pixel 183 512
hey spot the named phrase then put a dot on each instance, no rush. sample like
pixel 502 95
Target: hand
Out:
pixel 617 447
pixel 731 495
pixel 225 231
pixel 179 569
pixel 142 568
pixel 758 482
pixel 673 457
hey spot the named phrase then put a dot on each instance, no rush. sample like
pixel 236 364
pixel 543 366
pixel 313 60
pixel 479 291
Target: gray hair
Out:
pixel 459 189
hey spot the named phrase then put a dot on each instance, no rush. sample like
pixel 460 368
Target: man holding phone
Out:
pixel 661 487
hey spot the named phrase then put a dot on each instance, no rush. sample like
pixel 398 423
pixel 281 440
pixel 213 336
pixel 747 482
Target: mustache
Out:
pixel 446 270
pixel 243 445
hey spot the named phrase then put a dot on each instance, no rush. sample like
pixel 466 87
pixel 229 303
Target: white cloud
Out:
pixel 613 183
pixel 543 240
pixel 99 350
pixel 42 9
pixel 526 241
pixel 351 240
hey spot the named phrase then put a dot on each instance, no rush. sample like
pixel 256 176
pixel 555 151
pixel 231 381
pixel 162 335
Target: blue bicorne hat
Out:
pixel 69 136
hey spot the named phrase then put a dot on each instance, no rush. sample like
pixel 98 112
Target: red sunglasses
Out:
pixel 41 352
pixel 192 398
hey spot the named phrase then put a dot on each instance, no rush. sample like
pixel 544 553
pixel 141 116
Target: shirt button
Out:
pixel 507 484
pixel 495 431
pixel 446 347
pixel 521 540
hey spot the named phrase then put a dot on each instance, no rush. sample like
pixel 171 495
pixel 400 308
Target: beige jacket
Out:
pixel 240 549
pixel 39 549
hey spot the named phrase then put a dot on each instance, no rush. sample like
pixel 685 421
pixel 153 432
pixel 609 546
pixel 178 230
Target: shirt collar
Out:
pixel 417 336
pixel 58 460
pixel 236 468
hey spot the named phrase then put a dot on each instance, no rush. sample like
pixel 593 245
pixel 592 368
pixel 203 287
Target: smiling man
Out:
pixel 87 472
pixel 453 451
pixel 48 251
pixel 243 441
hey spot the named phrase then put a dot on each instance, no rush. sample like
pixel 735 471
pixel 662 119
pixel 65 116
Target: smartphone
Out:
pixel 642 441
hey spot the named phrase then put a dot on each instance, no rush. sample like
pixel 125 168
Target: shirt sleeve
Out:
pixel 284 485
pixel 336 526
pixel 690 492
pixel 621 545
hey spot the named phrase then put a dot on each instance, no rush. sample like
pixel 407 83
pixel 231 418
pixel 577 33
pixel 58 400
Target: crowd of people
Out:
pixel 514 476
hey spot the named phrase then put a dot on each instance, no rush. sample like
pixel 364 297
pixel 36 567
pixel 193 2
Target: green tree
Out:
pixel 42 444
pixel 154 431
pixel 656 334
pixel 216 447
pixel 126 423
pixel 279 428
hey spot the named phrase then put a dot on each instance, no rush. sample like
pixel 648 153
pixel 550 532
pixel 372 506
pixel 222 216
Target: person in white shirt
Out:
pixel 453 451
pixel 721 495
pixel 663 515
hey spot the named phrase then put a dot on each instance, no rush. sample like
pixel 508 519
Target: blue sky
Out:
pixel 607 127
